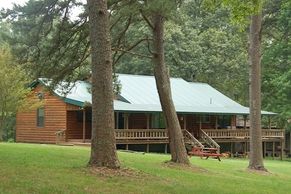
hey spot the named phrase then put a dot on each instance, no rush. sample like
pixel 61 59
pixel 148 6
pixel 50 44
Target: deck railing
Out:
pixel 131 134
pixel 242 133
pixel 60 136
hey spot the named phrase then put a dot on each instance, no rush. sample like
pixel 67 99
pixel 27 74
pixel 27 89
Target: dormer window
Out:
pixel 40 95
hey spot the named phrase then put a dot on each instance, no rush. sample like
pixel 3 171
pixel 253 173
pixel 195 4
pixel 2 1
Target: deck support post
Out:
pixel 84 125
pixel 126 146
pixel 273 152
pixel 246 147
pixel 148 148
pixel 289 142
pixel 231 151
pixel 166 148
pixel 265 149
pixel 282 149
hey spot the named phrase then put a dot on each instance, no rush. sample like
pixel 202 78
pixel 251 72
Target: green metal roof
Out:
pixel 139 94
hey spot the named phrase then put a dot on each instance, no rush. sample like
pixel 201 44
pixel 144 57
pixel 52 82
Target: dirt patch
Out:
pixel 260 172
pixel 191 167
pixel 121 172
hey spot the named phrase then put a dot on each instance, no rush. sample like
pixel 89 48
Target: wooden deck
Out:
pixel 233 135
pixel 160 136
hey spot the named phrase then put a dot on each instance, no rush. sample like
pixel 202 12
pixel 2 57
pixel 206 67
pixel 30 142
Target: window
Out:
pixel 40 117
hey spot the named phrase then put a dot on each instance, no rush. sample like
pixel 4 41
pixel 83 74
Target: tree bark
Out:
pixel 176 140
pixel 103 147
pixel 256 155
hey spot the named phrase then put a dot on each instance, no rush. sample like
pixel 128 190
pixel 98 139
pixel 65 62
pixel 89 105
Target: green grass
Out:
pixel 28 168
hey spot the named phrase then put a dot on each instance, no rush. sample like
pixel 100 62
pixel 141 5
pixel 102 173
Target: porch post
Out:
pixel 290 142
pixel 185 122
pixel 200 122
pixel 200 125
pixel 269 121
pixel 216 122
pixel 233 121
pixel 148 126
pixel 84 125
pixel 148 120
pixel 126 125
pixel 117 120
pixel 245 121
pixel 125 120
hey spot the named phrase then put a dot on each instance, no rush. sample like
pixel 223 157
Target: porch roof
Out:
pixel 139 94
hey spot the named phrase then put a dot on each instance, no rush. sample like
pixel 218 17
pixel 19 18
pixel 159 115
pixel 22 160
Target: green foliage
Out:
pixel 276 61
pixel 240 10
pixel 9 128
pixel 13 91
pixel 48 40
pixel 200 46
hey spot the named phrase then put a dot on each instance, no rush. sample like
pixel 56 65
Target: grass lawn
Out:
pixel 29 168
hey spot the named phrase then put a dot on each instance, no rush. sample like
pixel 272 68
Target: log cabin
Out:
pixel 207 117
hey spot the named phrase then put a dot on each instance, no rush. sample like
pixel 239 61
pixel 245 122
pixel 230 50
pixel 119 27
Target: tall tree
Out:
pixel 52 43
pixel 240 11
pixel 176 139
pixel 103 150
pixel 256 149
pixel 157 14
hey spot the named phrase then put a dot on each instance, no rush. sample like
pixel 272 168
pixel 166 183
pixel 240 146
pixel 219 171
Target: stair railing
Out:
pixel 190 138
pixel 60 136
pixel 208 140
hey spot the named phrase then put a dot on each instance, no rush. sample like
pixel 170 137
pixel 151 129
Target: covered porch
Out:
pixel 149 128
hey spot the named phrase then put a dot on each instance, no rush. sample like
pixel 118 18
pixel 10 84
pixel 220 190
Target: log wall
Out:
pixel 54 120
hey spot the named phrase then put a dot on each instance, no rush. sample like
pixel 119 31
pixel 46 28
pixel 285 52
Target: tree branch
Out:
pixel 146 19
pixel 137 54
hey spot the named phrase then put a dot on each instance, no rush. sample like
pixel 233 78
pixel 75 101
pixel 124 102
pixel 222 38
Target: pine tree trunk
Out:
pixel 103 148
pixel 177 146
pixel 256 152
